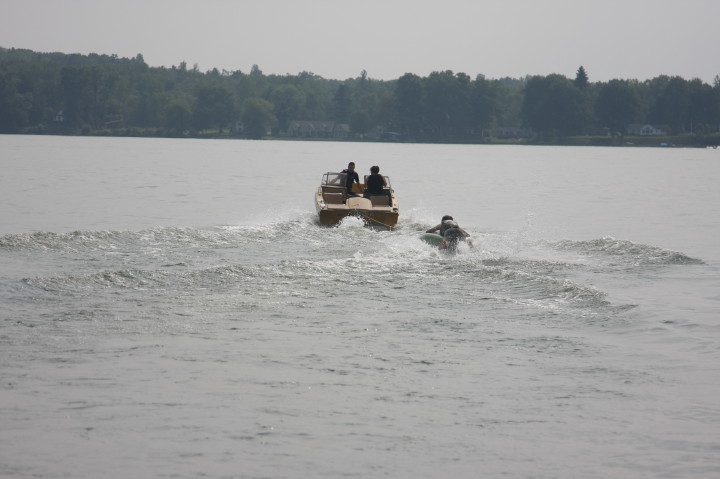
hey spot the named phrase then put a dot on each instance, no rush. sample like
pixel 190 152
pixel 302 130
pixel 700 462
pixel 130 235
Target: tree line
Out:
pixel 105 94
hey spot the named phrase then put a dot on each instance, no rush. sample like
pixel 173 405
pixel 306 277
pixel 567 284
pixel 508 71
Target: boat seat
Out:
pixel 334 189
pixel 332 198
pixel 379 200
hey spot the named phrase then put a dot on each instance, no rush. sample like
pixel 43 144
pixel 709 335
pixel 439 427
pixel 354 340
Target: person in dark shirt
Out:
pixel 375 183
pixel 352 176
pixel 452 236
pixel 444 224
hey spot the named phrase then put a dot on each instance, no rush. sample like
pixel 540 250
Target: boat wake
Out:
pixel 297 258
pixel 294 262
pixel 625 252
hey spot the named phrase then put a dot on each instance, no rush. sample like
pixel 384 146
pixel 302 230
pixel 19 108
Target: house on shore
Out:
pixel 640 129
pixel 318 129
pixel 511 132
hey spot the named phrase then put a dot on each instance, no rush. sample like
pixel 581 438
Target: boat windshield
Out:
pixel 340 179
pixel 334 179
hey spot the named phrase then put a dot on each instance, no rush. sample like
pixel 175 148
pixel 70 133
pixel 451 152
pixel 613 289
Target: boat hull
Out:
pixel 379 212
pixel 331 217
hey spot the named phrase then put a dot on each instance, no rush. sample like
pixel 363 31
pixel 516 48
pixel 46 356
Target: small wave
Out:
pixel 147 239
pixel 77 284
pixel 631 253
pixel 288 225
pixel 55 241
pixel 533 282
pixel 78 240
pixel 140 279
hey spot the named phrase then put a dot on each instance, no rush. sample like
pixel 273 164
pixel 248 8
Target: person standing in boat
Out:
pixel 352 176
pixel 375 183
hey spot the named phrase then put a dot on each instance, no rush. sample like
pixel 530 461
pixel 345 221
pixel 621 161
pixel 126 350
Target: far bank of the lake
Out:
pixel 682 141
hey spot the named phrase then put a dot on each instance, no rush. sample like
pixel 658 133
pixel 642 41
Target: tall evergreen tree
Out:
pixel 581 79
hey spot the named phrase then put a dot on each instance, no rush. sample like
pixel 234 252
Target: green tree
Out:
pixel 257 117
pixel 360 123
pixel 148 104
pixel 447 104
pixel 288 101
pixel 617 106
pixel 342 104
pixel 14 106
pixel 409 104
pixel 484 103
pixel 703 107
pixel 178 116
pixel 553 106
pixel 385 110
pixel 214 107
pixel 510 94
pixel 77 95
pixel 672 105
pixel 581 78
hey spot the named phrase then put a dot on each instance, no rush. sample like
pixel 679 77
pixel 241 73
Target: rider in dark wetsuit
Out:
pixel 452 236
pixel 439 228
pixel 446 223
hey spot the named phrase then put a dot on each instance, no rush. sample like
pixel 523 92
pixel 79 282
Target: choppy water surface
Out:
pixel 172 309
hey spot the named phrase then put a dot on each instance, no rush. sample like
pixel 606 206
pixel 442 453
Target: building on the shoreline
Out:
pixel 511 132
pixel 318 129
pixel 640 129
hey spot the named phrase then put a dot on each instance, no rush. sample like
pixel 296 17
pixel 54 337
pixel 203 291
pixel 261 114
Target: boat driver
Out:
pixel 351 176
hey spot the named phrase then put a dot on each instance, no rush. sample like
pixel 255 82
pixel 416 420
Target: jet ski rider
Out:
pixel 446 223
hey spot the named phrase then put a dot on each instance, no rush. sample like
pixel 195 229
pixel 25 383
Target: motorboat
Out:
pixel 333 203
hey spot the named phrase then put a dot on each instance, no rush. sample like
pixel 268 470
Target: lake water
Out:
pixel 171 308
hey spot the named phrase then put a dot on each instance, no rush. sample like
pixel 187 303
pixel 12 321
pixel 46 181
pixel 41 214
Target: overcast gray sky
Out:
pixel 337 39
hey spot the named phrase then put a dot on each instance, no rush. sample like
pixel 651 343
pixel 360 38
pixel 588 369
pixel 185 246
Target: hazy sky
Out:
pixel 337 39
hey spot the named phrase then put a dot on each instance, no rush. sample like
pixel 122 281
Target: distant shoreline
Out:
pixel 104 95
pixel 680 141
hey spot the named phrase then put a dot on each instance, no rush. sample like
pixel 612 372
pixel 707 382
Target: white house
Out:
pixel 511 132
pixel 318 129
pixel 638 129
